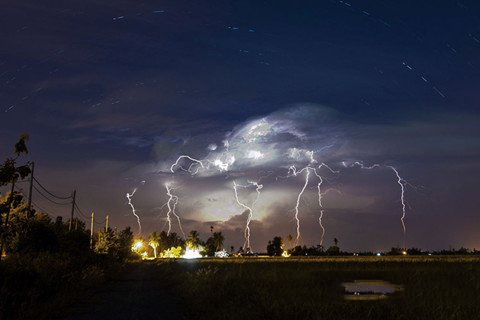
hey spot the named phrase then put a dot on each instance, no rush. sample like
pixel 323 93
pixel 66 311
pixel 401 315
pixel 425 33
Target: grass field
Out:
pixel 435 287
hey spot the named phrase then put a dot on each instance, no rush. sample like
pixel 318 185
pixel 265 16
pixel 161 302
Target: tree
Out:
pixel 193 240
pixel 77 224
pixel 333 251
pixel 10 173
pixel 173 252
pixel 218 239
pixel 395 251
pixel 36 237
pixel 31 231
pixel 209 248
pixel 154 242
pixel 213 244
pixel 106 242
pixel 125 242
pixel 275 247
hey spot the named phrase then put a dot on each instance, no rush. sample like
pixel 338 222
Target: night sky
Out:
pixel 113 92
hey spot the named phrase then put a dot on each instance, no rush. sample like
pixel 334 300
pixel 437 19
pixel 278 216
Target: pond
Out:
pixel 369 289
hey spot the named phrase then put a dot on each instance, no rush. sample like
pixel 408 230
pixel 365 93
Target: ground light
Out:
pixel 191 253
pixel 285 254
pixel 137 246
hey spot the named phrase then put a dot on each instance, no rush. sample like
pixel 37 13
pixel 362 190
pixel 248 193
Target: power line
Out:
pixel 40 192
pixel 53 195
pixel 44 211
pixel 81 212
pixel 85 216
pixel 99 223
pixel 46 197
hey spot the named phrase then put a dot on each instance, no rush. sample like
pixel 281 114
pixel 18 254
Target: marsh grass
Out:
pixel 310 288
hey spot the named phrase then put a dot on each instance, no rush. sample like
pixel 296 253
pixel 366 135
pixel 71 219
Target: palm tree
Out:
pixel 193 239
pixel 218 240
pixel 154 242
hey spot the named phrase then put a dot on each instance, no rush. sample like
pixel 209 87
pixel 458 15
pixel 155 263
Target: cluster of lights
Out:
pixel 285 254
pixel 137 246
pixel 221 254
pixel 173 252
pixel 192 253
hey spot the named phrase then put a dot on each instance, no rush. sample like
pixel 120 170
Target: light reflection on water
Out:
pixel 369 289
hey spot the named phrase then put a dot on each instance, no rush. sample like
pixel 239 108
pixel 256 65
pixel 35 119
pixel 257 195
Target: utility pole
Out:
pixel 106 223
pixel 73 210
pixel 31 189
pixel 4 233
pixel 91 230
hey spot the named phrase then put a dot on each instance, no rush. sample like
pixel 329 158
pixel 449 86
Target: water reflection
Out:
pixel 369 289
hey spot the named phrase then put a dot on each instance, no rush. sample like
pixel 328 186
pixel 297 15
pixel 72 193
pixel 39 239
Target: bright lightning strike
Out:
pixel 320 198
pixel 293 171
pixel 129 197
pixel 401 182
pixel 258 187
pixel 189 170
pixel 172 205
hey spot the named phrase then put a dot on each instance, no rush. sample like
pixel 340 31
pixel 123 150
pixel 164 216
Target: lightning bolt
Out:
pixel 293 171
pixel 258 187
pixel 193 169
pixel 401 182
pixel 320 197
pixel 172 201
pixel 129 197
pixel 194 161
pixel 172 205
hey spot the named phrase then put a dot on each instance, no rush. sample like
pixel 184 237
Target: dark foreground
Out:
pixel 287 288
pixel 139 294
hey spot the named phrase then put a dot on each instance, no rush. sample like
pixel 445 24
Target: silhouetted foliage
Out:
pixel 125 242
pixel 275 247
pixel 213 244
pixel 333 251
pixel 9 171
pixel 310 251
pixel 193 239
